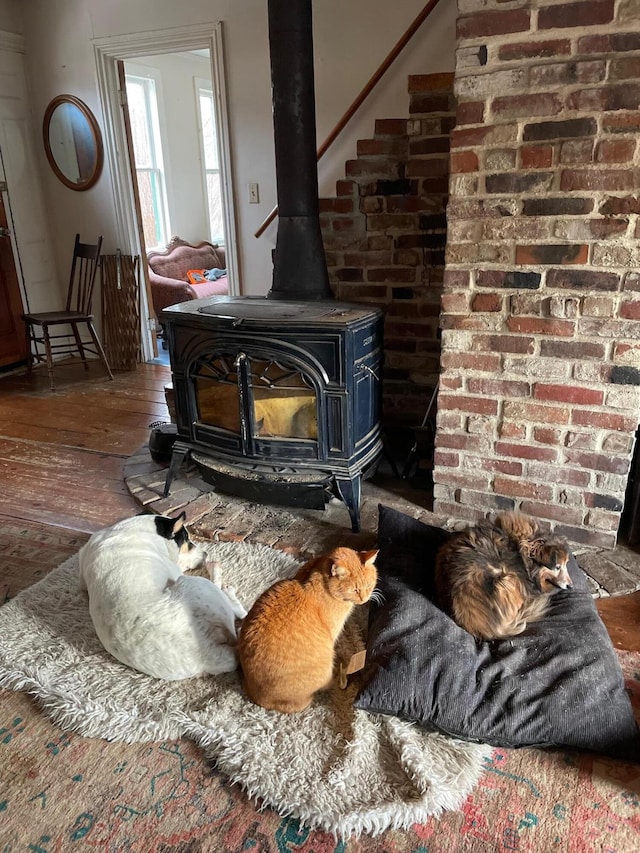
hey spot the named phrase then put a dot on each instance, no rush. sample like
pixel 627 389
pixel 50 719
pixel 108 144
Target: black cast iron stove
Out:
pixel 277 401
pixel 278 398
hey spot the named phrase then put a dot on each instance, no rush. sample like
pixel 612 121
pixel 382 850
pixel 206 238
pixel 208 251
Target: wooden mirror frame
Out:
pixel 93 127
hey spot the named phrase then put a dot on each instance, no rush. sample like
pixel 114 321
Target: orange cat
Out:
pixel 287 641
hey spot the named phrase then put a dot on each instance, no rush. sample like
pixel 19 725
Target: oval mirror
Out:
pixel 72 142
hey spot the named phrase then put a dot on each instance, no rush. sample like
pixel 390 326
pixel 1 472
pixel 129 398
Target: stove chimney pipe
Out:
pixel 299 267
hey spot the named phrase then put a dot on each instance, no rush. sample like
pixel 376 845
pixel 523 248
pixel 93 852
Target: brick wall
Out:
pixel 384 235
pixel 540 383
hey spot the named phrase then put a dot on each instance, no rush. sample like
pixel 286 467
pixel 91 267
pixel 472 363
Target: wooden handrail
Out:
pixel 366 91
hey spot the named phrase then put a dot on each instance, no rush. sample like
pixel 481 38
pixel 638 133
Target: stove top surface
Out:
pixel 261 309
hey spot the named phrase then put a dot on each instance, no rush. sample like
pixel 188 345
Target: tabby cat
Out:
pixel 493 578
pixel 287 641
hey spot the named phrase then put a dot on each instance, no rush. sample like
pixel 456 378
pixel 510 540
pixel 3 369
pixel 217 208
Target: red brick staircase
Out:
pixel 384 235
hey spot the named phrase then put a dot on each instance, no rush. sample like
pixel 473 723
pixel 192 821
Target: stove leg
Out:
pixel 178 456
pixel 349 491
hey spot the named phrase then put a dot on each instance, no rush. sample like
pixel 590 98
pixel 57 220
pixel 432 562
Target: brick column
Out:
pixel 540 382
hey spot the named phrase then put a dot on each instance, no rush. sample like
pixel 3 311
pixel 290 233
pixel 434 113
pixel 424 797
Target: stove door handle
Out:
pixel 363 368
pixel 243 373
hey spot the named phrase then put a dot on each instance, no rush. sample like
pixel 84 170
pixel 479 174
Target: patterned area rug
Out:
pixel 63 792
pixel 331 766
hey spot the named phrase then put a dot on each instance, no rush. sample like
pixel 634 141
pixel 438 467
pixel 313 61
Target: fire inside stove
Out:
pixel 284 404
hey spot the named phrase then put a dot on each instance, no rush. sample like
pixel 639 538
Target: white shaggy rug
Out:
pixel 333 767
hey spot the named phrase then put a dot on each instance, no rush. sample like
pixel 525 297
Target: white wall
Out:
pixel 12 16
pixel 28 216
pixel 350 40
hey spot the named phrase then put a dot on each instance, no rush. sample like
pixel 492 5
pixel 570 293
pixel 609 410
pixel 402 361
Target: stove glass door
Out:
pixel 280 399
pixel 217 398
pixel 284 401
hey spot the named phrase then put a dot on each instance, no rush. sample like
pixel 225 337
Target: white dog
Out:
pixel 146 613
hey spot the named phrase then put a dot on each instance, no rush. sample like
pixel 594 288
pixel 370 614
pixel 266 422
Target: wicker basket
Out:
pixel 121 309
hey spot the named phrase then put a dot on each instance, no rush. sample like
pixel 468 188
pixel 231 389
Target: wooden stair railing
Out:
pixel 365 92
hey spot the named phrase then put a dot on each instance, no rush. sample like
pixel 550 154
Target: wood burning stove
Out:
pixel 278 398
pixel 277 401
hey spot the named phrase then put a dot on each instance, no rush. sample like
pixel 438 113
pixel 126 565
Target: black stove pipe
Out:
pixel 299 267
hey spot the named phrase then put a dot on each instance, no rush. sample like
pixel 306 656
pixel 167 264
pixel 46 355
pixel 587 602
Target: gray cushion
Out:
pixel 557 684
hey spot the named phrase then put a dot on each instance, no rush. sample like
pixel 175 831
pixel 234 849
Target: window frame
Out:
pixel 202 85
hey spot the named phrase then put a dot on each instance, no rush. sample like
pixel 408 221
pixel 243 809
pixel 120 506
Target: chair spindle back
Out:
pixel 86 258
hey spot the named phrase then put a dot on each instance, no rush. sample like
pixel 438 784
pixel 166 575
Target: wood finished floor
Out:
pixel 62 455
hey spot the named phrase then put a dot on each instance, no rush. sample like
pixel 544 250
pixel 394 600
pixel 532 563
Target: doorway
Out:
pixel 178 208
pixel 171 111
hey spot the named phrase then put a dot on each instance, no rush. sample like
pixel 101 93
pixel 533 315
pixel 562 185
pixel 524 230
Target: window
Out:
pixel 211 161
pixel 145 131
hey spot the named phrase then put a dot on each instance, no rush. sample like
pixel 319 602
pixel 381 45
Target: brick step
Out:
pixel 372 168
pixel 440 82
pixel 395 146
pixel 429 105
pixel 391 127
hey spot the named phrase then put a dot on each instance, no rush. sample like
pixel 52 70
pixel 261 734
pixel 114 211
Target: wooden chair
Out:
pixel 84 267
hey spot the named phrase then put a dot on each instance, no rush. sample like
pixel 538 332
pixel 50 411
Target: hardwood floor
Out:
pixel 61 467
pixel 62 452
